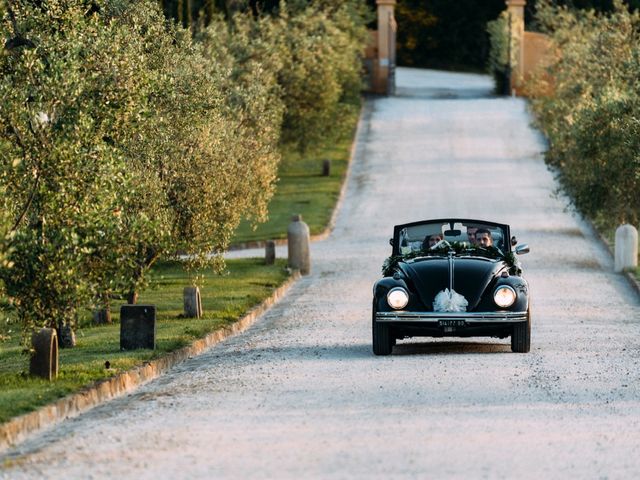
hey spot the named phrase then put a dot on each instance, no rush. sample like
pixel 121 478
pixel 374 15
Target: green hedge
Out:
pixel 588 105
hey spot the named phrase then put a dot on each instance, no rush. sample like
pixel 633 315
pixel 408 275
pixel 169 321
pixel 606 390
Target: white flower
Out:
pixel 42 118
pixel 450 301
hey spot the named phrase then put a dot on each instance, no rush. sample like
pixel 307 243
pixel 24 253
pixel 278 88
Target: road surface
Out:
pixel 300 395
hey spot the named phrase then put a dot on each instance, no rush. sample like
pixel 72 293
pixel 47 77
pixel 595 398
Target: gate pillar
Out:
pixel 516 40
pixel 386 63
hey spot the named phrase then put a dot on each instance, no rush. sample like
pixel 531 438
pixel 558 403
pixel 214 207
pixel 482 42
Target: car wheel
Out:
pixel 383 341
pixel 521 336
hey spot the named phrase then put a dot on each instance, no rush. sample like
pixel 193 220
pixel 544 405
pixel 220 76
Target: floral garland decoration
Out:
pixel 442 249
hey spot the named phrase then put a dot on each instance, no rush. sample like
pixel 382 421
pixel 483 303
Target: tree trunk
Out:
pixel 132 297
pixel 102 316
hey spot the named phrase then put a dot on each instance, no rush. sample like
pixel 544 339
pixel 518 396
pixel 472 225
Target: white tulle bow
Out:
pixel 449 301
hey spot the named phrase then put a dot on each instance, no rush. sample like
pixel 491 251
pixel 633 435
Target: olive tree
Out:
pixel 5 216
pixel 321 75
pixel 124 140
pixel 66 88
pixel 252 98
pixel 207 154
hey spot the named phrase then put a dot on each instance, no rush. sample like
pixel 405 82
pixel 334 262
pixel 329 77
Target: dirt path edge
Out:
pixel 19 428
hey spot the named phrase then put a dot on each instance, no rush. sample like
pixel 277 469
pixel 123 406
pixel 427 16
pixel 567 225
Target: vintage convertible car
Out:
pixel 452 277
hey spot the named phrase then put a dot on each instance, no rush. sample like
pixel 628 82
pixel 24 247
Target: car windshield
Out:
pixel 435 236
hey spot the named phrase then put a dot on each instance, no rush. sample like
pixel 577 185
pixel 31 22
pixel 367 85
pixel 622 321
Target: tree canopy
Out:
pixel 126 138
pixel 452 35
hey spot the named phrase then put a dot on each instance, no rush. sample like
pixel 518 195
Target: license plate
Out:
pixel 451 323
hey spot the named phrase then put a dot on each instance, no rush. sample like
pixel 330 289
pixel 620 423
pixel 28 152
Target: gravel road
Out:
pixel 300 395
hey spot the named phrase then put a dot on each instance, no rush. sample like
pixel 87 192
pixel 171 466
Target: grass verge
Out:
pixel 301 188
pixel 225 298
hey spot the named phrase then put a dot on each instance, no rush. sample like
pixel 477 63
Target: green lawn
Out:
pixel 225 298
pixel 302 189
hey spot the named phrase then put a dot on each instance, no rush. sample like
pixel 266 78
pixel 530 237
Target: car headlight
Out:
pixel 504 296
pixel 397 298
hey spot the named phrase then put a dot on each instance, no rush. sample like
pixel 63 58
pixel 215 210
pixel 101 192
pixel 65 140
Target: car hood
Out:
pixel 471 277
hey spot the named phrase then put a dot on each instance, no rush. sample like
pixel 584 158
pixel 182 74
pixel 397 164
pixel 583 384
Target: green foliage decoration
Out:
pixel 443 249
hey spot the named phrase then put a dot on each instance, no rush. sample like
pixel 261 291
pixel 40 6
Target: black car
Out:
pixel 452 278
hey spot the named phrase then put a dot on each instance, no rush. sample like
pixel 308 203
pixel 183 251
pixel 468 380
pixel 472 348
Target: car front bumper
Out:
pixel 475 318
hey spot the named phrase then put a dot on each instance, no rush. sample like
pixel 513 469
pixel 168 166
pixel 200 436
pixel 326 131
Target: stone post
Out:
pixel 66 335
pixel 192 302
pixel 137 327
pixel 270 252
pixel 385 56
pixel 298 240
pixel 44 359
pixel 326 167
pixel 515 8
pixel 626 248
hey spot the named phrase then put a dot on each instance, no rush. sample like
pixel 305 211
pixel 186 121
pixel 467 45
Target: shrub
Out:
pixel 498 63
pixel 65 90
pixel 320 78
pixel 591 109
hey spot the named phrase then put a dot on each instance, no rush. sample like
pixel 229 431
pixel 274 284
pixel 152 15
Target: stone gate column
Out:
pixel 386 18
pixel 515 8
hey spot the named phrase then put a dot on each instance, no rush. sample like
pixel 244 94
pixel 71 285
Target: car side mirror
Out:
pixel 522 249
pixel 391 242
pixel 514 241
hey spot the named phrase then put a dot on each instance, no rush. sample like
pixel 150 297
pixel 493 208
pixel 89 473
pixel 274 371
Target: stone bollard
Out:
pixel 626 248
pixel 102 316
pixel 192 302
pixel 44 360
pixel 326 168
pixel 137 327
pixel 270 252
pixel 298 245
pixel 66 335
